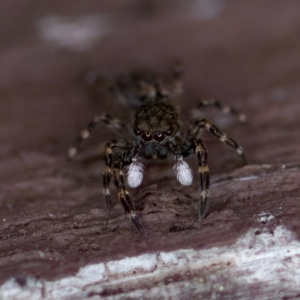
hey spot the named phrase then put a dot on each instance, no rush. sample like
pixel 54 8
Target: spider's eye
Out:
pixel 159 136
pixel 137 131
pixel 169 132
pixel 147 137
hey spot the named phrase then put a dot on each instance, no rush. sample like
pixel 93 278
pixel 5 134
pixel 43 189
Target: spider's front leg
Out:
pixel 203 170
pixel 123 194
pixel 107 172
pixel 110 147
pixel 199 126
pixel 197 146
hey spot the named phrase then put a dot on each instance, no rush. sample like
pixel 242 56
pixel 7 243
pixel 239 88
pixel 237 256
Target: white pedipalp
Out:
pixel 135 173
pixel 183 172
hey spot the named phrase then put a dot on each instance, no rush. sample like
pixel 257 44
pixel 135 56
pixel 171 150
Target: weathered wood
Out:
pixel 57 239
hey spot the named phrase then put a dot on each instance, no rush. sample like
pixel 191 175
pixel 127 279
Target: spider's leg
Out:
pixel 86 133
pixel 196 146
pixel 108 156
pixel 201 151
pixel 123 196
pixel 227 109
pixel 107 172
pixel 200 126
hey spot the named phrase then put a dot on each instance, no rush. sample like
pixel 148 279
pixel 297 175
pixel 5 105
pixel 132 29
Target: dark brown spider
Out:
pixel 156 134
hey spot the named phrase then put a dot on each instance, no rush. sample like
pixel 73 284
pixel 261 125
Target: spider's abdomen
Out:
pixel 156 121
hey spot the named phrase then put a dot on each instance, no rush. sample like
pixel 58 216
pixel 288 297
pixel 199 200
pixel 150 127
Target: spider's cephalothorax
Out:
pixel 156 135
pixel 155 126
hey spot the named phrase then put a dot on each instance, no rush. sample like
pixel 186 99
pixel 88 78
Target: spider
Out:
pixel 155 134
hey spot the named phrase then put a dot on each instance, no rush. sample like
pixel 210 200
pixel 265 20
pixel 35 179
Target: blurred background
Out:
pixel 244 53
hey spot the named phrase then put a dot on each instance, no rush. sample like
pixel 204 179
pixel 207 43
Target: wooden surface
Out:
pixel 53 218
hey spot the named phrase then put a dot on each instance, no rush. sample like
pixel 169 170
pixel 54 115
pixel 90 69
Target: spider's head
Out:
pixel 156 122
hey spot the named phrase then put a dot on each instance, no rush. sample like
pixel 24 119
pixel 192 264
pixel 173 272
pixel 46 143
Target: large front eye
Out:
pixel 147 136
pixel 159 136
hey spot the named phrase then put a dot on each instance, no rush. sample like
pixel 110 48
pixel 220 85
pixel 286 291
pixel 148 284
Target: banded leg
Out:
pixel 123 196
pixel 86 133
pixel 107 172
pixel 200 126
pixel 201 152
pixel 223 107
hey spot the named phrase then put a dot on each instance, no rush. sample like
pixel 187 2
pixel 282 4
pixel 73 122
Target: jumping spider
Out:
pixel 155 134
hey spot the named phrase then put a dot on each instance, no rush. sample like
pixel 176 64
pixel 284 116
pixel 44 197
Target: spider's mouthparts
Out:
pixel 135 174
pixel 183 172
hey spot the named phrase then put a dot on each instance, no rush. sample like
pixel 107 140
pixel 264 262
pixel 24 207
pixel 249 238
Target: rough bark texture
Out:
pixel 53 217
